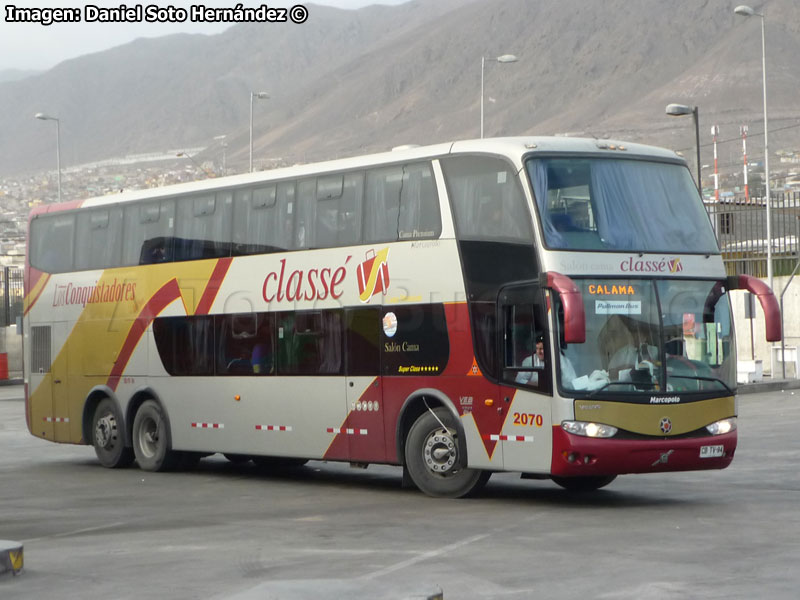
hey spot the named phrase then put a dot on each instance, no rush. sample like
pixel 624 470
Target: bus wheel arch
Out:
pixel 414 406
pixel 434 449
pixel 104 426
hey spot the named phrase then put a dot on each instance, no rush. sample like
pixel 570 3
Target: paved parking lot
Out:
pixel 327 531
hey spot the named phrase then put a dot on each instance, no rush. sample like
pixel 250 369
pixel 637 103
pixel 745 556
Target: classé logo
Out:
pixel 640 265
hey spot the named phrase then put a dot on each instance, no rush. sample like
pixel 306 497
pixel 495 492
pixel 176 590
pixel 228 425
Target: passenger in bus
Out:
pixel 261 360
pixel 534 361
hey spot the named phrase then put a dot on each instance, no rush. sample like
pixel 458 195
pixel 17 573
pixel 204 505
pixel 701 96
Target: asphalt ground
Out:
pixel 328 531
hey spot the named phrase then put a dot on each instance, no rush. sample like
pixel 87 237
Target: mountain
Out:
pixel 347 82
pixel 16 74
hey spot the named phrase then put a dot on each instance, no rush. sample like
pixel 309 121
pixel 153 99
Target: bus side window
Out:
pixel 305 218
pixel 204 226
pixel 53 243
pixel 339 205
pixel 310 343
pixel 526 356
pixel 363 341
pixel 401 203
pixel 148 232
pixel 256 221
pixel 100 235
pixel 245 344
pixel 185 344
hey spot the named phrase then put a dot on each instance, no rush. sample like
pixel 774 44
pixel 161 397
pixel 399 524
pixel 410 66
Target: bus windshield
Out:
pixel 650 337
pixel 619 205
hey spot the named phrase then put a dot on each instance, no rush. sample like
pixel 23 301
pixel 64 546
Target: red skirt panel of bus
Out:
pixel 575 456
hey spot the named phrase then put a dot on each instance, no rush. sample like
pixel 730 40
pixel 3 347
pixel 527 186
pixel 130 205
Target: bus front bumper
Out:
pixel 576 456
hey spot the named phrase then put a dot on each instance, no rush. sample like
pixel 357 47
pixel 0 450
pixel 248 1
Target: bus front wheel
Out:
pixel 151 439
pixel 108 438
pixel 434 460
pixel 584 484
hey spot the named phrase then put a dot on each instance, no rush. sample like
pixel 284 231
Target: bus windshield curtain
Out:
pixel 635 206
pixel 538 175
pixel 643 206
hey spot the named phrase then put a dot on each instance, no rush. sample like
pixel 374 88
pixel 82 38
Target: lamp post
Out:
pixel 745 11
pixel 678 110
pixel 194 162
pixel 44 117
pixel 260 96
pixel 505 58
pixel 224 144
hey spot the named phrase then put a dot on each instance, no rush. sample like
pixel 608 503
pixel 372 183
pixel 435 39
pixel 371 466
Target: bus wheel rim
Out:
pixel 439 452
pixel 148 437
pixel 105 431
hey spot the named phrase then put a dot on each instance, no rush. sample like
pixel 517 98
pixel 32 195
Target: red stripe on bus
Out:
pixel 44 285
pixel 214 283
pixel 168 293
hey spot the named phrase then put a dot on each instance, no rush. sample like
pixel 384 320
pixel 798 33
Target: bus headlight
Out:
pixel 593 430
pixel 723 426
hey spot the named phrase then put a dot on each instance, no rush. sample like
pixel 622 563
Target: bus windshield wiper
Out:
pixel 700 378
pixel 609 384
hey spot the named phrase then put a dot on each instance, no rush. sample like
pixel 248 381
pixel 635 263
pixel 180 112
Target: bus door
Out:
pixel 60 377
pixel 364 385
pixel 527 367
pixel 48 381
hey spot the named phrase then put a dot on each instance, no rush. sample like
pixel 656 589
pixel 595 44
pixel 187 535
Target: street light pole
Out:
pixel 746 11
pixel 260 96
pixel 44 117
pixel 505 58
pixel 677 110
pixel 194 162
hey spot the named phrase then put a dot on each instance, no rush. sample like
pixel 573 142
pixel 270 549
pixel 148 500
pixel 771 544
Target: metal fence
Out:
pixel 11 295
pixel 741 227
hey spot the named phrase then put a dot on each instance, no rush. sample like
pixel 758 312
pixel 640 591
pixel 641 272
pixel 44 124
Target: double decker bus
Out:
pixel 550 306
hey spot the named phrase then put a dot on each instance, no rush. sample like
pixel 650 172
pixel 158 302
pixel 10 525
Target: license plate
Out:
pixel 712 451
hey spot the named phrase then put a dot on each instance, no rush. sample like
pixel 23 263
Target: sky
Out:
pixel 33 46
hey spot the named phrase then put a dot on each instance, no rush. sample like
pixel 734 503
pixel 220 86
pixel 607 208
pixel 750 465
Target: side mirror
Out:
pixel 769 304
pixel 572 301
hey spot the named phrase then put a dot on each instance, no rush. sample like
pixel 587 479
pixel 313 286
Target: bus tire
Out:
pixel 584 484
pixel 434 459
pixel 108 436
pixel 152 443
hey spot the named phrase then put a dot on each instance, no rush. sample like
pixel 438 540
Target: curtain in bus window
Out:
pixel 538 174
pixel 305 219
pixel 419 204
pixel 52 243
pixel 204 226
pixel 245 344
pixel 185 344
pixel 148 232
pixel 381 206
pixel 310 343
pixel 256 221
pixel 401 203
pixel 487 199
pixel 338 218
pixel 99 237
pixel 629 195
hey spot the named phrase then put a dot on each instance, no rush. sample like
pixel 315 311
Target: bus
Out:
pixel 550 306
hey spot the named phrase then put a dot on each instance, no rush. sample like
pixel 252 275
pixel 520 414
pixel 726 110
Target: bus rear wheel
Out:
pixel 152 444
pixel 434 459
pixel 584 484
pixel 108 438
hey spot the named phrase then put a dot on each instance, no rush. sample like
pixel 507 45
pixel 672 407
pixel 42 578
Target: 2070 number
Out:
pixel 529 419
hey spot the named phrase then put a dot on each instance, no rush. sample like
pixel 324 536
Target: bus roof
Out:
pixel 513 147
